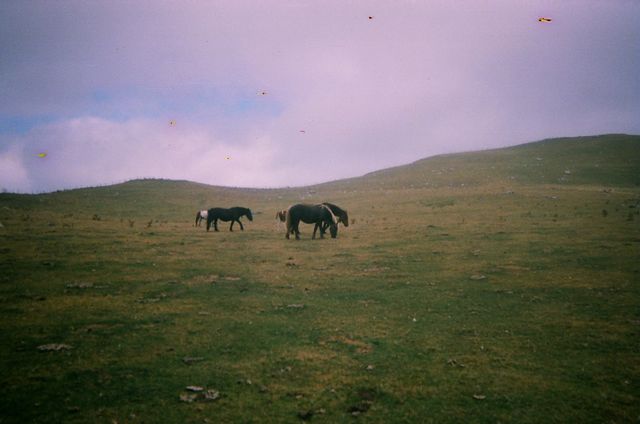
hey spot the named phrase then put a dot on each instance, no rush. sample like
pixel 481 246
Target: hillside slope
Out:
pixel 608 160
pixel 603 160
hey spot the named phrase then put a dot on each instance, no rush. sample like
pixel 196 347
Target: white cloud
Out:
pixel 13 175
pixel 94 151
pixel 420 78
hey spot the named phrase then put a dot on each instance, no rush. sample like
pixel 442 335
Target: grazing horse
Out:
pixel 281 216
pixel 232 214
pixel 340 214
pixel 201 215
pixel 310 214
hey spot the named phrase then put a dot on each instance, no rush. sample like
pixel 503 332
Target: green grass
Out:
pixel 484 278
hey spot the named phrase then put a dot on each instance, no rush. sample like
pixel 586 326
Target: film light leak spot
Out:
pixel 544 20
pixel 172 123
pixel 228 157
pixel 42 155
pixel 263 93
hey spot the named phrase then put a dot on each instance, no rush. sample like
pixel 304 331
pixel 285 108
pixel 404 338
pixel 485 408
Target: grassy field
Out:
pixel 496 286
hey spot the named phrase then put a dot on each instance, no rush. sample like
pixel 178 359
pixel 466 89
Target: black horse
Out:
pixel 232 214
pixel 310 214
pixel 339 213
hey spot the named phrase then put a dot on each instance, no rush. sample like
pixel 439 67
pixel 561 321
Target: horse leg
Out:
pixel 297 230
pixel 231 227
pixel 315 228
pixel 208 224
pixel 215 224
pixel 241 227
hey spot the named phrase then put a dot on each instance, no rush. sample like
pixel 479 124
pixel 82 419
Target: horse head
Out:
pixel 333 230
pixel 282 215
pixel 248 213
pixel 344 218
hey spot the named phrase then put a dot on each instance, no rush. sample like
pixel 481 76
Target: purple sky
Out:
pixel 286 93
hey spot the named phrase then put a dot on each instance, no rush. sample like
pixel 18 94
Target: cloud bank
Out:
pixel 270 94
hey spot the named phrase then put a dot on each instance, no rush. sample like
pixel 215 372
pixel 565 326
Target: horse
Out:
pixel 281 216
pixel 231 214
pixel 200 216
pixel 310 214
pixel 340 214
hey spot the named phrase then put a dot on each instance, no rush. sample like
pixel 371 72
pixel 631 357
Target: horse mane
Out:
pixel 342 214
pixel 333 217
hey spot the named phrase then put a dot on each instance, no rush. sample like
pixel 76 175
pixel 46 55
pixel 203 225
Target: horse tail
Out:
pixel 287 221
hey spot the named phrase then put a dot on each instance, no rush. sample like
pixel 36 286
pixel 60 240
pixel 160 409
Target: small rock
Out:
pixel 188 397
pixel 195 388
pixel 479 397
pixel 54 347
pixel 79 285
pixel 211 395
pixel 191 359
pixel 296 306
pixel 305 415
pixel 477 277
pixel 370 367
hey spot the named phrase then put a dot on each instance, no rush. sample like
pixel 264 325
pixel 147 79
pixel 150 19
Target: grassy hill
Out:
pixel 479 287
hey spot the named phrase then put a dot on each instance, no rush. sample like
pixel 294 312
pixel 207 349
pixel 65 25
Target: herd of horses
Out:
pixel 323 215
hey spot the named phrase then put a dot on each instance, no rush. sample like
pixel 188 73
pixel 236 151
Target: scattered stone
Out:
pixel 191 359
pixel 305 415
pixel 479 397
pixel 232 278
pixel 370 367
pixel 195 388
pixel 79 285
pixel 188 397
pixel 477 277
pixel 454 363
pixel 296 306
pixel 211 395
pixel 54 347
pixel 360 407
pixel 149 300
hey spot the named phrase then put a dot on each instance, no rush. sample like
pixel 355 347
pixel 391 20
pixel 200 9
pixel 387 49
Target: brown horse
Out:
pixel 282 215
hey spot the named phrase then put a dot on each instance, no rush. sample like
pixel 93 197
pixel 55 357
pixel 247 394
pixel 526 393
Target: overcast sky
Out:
pixel 286 93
